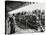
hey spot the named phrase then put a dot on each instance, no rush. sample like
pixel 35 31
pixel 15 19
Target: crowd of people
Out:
pixel 24 20
pixel 37 19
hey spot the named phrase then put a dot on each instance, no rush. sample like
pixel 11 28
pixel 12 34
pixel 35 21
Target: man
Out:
pixel 12 25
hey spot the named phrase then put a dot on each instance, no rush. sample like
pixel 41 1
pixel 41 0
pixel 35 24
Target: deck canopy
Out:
pixel 28 8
